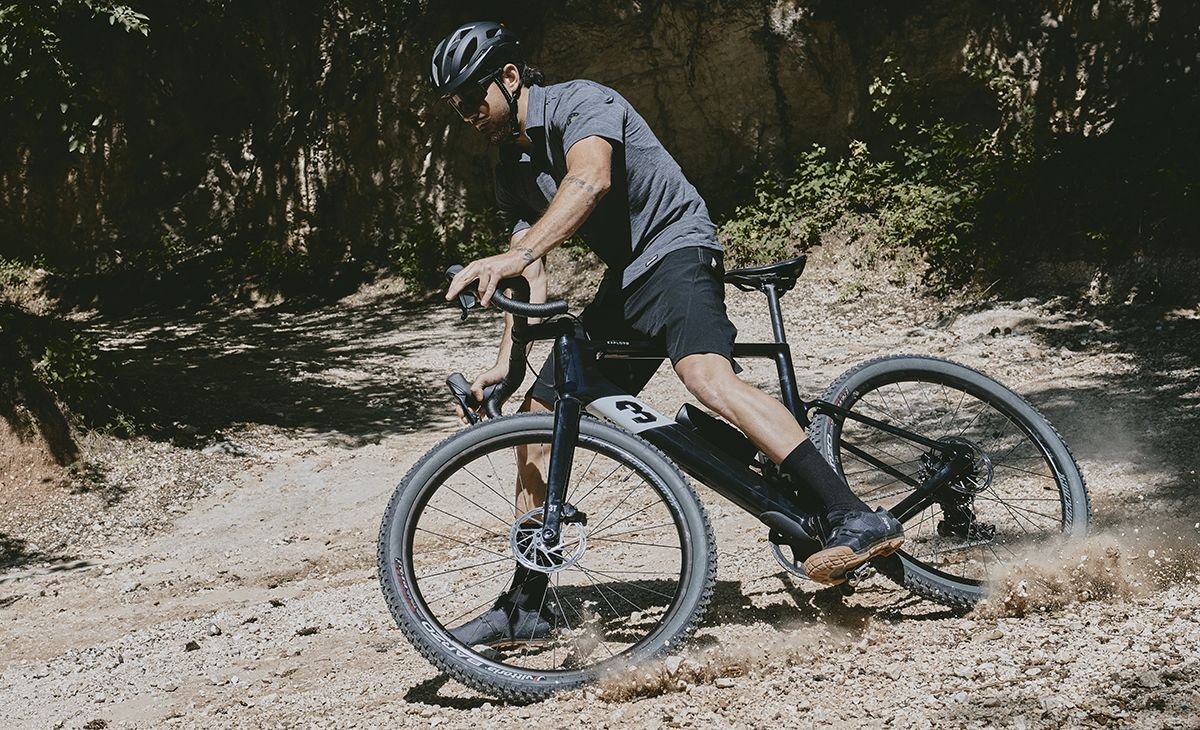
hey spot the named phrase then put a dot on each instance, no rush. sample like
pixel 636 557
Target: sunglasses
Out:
pixel 467 101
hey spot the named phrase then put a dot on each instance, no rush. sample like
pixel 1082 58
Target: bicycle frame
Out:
pixel 689 440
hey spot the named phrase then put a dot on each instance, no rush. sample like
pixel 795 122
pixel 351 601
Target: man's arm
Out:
pixel 588 178
pixel 535 273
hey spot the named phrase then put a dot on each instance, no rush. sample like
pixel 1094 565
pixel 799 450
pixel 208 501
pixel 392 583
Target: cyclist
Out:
pixel 577 157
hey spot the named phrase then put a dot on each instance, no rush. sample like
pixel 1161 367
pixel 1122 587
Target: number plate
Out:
pixel 628 412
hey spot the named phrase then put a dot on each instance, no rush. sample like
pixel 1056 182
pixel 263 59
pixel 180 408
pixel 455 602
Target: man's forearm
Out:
pixel 577 197
pixel 588 178
pixel 535 274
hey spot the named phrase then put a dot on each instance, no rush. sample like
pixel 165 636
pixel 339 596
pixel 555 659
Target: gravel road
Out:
pixel 230 581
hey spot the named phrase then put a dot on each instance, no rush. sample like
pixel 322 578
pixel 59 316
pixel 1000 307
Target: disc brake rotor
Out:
pixel 531 550
pixel 981 474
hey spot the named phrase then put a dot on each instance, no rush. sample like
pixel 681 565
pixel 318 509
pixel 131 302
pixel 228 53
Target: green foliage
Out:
pixel 426 247
pixel 44 86
pixel 68 366
pixel 924 193
pixel 40 353
pixel 276 264
pixel 12 273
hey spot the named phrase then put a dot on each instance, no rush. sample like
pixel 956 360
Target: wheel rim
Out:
pixel 1014 505
pixel 620 588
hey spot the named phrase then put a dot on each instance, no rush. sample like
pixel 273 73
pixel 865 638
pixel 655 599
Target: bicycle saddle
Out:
pixel 781 274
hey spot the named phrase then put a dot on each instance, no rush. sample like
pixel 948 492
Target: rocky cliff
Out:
pixel 251 132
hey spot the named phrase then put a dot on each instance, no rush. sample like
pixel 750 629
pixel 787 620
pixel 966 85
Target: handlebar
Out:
pixel 516 305
pixel 522 310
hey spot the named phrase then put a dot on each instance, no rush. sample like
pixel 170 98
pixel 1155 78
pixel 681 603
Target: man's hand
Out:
pixel 489 271
pixel 492 376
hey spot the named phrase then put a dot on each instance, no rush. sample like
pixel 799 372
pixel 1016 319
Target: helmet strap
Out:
pixel 512 106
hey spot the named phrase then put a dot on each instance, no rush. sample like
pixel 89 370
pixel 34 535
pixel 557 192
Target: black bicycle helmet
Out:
pixel 470 53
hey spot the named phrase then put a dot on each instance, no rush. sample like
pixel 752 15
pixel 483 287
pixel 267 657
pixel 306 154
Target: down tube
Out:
pixel 695 455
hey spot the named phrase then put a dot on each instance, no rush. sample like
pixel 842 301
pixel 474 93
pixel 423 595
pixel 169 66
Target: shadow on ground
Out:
pixel 1146 416
pixel 349 371
pixel 15 552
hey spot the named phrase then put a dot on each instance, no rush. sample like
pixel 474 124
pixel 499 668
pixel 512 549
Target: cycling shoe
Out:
pixel 855 538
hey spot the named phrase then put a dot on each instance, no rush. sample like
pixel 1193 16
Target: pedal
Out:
pixel 855 577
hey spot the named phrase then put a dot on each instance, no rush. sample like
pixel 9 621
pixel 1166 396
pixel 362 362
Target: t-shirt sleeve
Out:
pixel 589 112
pixel 515 217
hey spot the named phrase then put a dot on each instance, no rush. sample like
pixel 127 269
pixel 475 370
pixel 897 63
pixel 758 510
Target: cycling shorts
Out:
pixel 679 303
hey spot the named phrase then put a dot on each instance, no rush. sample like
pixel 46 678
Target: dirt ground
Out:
pixel 225 576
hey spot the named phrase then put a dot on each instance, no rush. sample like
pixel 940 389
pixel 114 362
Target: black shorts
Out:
pixel 680 303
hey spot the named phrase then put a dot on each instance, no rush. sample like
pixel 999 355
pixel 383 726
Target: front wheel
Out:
pixel 629 579
pixel 1022 491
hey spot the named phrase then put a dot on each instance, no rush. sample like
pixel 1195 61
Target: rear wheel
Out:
pixel 628 584
pixel 1023 491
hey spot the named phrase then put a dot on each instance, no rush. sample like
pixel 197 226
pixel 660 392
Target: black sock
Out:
pixel 528 588
pixel 806 465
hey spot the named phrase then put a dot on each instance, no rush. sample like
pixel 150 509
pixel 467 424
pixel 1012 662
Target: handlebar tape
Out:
pixel 516 305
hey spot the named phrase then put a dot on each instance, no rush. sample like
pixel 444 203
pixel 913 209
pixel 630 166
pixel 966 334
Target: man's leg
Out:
pixel 858 534
pixel 533 464
pixel 767 423
pixel 516 614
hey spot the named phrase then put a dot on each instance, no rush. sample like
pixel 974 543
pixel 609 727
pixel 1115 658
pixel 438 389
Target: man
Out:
pixel 576 157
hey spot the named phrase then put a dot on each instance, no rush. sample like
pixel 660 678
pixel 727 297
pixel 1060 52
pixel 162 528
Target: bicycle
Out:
pixel 974 472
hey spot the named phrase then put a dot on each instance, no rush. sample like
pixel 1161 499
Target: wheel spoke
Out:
pixel 583 477
pixel 1025 471
pixel 635 542
pixel 465 520
pixel 485 484
pixel 1024 510
pixel 936 401
pixel 466 567
pixel 600 526
pixel 460 542
pixel 632 585
pixel 661 525
pixel 616 594
pixel 459 590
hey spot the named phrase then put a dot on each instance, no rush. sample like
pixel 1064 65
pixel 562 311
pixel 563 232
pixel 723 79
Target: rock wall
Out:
pixel 735 88
pixel 254 132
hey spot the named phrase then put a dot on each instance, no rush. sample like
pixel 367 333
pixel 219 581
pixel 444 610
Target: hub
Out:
pixel 531 549
pixel 979 478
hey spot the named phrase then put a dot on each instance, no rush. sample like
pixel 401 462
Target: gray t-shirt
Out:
pixel 651 208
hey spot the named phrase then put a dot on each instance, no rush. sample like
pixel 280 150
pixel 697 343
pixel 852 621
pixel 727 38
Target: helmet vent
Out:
pixel 470 52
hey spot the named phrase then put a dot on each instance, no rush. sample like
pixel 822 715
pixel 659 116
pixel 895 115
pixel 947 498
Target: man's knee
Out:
pixel 709 377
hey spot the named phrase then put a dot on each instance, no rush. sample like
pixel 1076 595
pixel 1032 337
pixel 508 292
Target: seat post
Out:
pixel 776 312
pixel 783 356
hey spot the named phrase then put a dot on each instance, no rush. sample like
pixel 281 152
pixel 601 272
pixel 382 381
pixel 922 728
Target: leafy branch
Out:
pixel 41 84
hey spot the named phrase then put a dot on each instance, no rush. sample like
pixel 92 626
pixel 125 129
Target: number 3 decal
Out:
pixel 640 415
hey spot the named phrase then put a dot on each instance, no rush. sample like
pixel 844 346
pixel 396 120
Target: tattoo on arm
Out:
pixel 581 183
pixel 527 254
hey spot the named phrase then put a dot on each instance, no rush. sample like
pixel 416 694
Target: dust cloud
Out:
pixel 1117 564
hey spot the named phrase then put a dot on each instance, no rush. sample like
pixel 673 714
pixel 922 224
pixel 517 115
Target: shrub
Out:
pixel 925 192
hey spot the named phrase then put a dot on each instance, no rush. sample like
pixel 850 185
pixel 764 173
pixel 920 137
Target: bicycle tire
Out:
pixel 485 444
pixel 885 380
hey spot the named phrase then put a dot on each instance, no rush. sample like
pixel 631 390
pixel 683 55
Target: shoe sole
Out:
pixel 830 566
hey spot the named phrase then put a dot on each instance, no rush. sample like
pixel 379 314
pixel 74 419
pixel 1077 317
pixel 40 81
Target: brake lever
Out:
pixel 466 298
pixel 461 390
pixel 467 301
